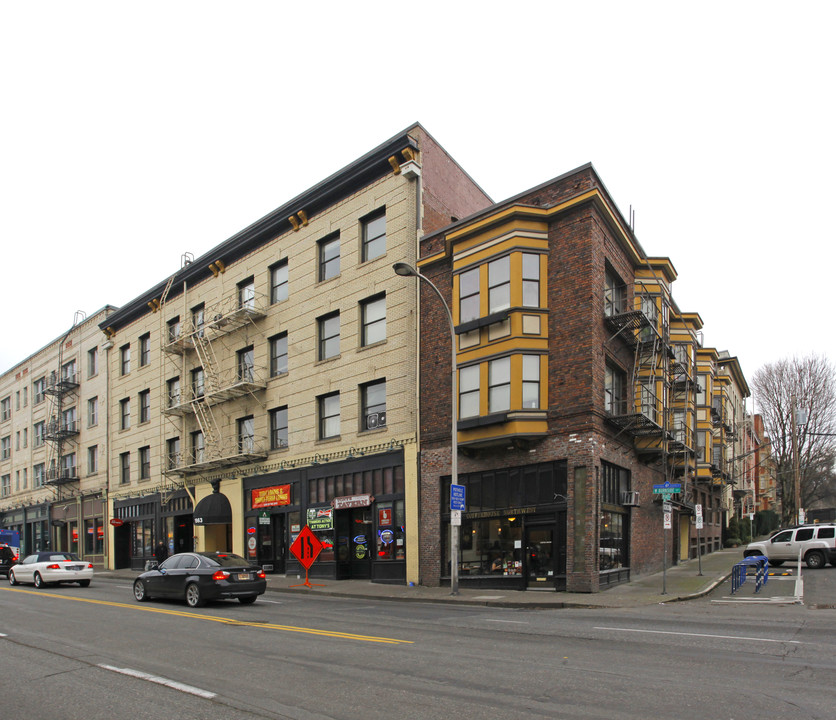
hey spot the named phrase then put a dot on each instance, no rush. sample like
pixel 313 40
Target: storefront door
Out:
pixel 539 556
pixel 271 544
pixel 354 543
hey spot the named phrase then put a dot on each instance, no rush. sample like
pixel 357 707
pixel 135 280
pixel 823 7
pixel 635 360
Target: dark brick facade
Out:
pixel 581 245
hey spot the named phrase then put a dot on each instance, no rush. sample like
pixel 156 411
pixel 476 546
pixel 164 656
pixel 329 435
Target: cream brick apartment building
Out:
pixel 53 433
pixel 271 382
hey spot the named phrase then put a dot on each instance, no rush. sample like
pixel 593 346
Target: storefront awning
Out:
pixel 214 509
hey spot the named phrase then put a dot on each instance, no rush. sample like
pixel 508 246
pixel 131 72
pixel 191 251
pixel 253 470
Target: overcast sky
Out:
pixel 134 132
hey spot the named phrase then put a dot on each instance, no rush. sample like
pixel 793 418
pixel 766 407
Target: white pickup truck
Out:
pixel 817 544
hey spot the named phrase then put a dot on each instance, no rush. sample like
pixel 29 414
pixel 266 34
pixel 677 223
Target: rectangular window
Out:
pixel 278 428
pixel 25 437
pixel 145 463
pixel 198 383
pixel 68 421
pixel 93 412
pixel 499 284
pixel 6 485
pixel 246 365
pixel 329 258
pixel 172 446
pixel 68 372
pixel 173 387
pixel 329 336
pixel 145 406
pixel 246 435
pixel 145 350
pixel 246 294
pixel 329 415
pixel 374 236
pixel 499 385
pixel 93 362
pixel 25 395
pixel 25 478
pixel 373 410
pixel 125 359
pixel 469 391
pixel 469 295
pixel 615 295
pixel 6 447
pixel 125 468
pixel 38 475
pixel 198 319
pixel 92 459
pixel 39 434
pixel 38 390
pixel 278 282
pixel 614 385
pixel 531 381
pixel 173 333
pixel 6 408
pixel 198 447
pixel 373 318
pixel 125 413
pixel 68 467
pixel 530 280
pixel 278 355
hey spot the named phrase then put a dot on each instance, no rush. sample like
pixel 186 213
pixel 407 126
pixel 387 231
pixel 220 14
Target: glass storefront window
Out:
pixel 73 525
pixel 490 546
pixel 93 537
pixel 321 523
pixel 611 549
pixel 391 531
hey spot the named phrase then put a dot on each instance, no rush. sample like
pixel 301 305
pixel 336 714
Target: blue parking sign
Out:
pixel 457 497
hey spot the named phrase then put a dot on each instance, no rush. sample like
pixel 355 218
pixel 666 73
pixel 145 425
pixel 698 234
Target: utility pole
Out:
pixel 796 465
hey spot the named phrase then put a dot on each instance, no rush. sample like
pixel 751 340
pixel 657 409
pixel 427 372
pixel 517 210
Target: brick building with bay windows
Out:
pixel 577 394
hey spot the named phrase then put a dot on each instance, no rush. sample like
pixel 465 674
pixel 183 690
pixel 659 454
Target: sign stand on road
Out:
pixel 306 548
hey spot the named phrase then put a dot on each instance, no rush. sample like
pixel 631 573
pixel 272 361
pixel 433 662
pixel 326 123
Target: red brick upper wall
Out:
pixel 449 192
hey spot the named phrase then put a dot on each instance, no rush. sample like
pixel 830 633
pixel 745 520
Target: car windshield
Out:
pixel 225 560
pixel 56 557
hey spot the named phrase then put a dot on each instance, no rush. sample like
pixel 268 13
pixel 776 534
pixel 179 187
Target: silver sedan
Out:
pixel 44 568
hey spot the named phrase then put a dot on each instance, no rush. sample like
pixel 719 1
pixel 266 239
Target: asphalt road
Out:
pixel 94 653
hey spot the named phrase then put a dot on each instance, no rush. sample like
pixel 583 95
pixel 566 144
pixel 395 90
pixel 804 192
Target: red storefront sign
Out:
pixel 271 496
pixel 117 522
pixel 384 517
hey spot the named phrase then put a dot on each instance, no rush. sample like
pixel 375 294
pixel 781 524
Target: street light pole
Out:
pixel 405 270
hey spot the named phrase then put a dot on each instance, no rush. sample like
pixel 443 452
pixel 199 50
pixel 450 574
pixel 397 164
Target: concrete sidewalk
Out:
pixel 678 583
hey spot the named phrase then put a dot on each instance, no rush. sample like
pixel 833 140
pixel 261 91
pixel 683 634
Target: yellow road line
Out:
pixel 226 621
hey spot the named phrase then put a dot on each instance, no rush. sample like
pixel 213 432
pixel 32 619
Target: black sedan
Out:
pixel 198 577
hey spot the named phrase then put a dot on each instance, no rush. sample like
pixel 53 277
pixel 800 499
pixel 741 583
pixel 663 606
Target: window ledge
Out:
pixel 482 420
pixel 372 345
pixel 471 325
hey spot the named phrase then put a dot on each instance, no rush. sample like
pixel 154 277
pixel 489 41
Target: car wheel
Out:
pixel 193 598
pixel 139 591
pixel 84 583
pixel 752 553
pixel 39 581
pixel 12 578
pixel 814 560
pixel 248 600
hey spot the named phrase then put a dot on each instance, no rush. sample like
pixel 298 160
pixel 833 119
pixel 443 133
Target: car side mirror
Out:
pixel 162 571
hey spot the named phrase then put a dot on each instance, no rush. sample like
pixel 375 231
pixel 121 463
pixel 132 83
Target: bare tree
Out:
pixel 807 385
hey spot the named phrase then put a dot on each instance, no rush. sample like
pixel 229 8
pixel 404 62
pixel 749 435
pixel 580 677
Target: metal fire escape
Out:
pixel 62 425
pixel 200 350
pixel 644 329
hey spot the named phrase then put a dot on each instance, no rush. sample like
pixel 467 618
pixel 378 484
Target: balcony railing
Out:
pixel 227 453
